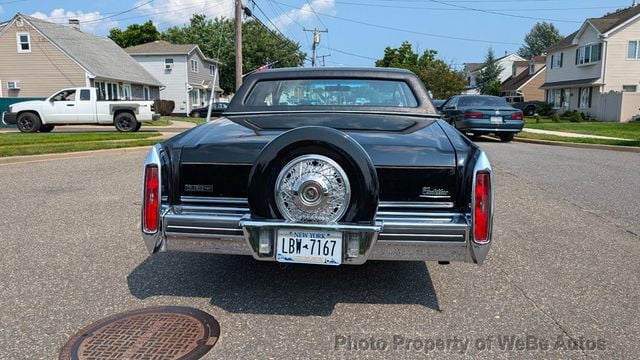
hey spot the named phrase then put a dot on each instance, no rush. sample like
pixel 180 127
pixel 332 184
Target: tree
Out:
pixel 438 76
pixel 542 36
pixel 216 40
pixel 135 34
pixel 490 74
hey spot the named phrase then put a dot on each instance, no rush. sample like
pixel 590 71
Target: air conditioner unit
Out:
pixel 13 85
pixel 168 66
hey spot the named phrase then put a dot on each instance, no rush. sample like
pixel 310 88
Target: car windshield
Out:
pixel 331 92
pixel 476 101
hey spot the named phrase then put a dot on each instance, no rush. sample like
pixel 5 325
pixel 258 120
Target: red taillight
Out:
pixel 482 209
pixel 517 116
pixel 473 115
pixel 151 199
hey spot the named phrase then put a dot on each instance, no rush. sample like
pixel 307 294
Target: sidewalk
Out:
pixel 167 131
pixel 571 135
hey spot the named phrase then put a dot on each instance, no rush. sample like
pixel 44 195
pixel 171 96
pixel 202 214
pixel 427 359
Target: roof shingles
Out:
pixel 99 56
pixel 603 24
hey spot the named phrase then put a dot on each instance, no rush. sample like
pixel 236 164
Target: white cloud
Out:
pixel 305 15
pixel 89 21
pixel 177 12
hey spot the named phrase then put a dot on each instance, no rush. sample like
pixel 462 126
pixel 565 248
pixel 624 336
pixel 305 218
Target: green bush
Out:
pixel 567 114
pixel 555 118
pixel 164 107
pixel 537 119
pixel 545 109
pixel 576 117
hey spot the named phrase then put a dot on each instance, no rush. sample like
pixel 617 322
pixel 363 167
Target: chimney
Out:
pixel 74 23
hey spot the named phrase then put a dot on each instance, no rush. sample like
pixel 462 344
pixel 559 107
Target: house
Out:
pixel 526 79
pixel 186 72
pixel 472 70
pixel 596 69
pixel 39 57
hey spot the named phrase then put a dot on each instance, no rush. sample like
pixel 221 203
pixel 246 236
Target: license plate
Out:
pixel 309 246
pixel 496 119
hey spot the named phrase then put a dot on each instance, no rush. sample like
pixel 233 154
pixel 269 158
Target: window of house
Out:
pixel 85 95
pixel 532 68
pixel 212 69
pixel 629 88
pixel 557 60
pixel 555 97
pixel 632 50
pixel 24 42
pixel 584 97
pixel 146 93
pixel 588 54
pixel 168 64
pixel 194 65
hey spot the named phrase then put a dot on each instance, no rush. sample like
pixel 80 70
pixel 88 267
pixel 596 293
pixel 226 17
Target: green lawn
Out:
pixel 161 122
pixel 619 130
pixel 12 144
pixel 195 120
pixel 527 135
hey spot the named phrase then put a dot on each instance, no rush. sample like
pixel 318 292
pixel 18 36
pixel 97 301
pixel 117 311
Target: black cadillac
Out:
pixel 322 166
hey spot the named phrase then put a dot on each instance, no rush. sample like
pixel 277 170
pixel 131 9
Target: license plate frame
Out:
pixel 497 120
pixel 309 246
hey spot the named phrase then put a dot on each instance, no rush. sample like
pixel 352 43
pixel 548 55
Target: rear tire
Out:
pixel 507 137
pixel 125 122
pixel 46 128
pixel 28 122
pixel 529 111
pixel 138 126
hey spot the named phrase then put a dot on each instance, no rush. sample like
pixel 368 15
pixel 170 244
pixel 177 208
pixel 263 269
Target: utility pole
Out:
pixel 238 23
pixel 322 57
pixel 316 42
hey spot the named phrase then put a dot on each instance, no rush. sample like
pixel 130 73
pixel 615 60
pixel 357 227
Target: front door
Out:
pixel 61 108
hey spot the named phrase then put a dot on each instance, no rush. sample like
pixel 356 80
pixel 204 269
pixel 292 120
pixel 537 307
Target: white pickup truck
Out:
pixel 78 106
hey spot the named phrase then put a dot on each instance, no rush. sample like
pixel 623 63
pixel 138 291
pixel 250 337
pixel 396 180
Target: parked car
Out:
pixel 216 110
pixel 337 180
pixel 529 108
pixel 438 103
pixel 483 114
pixel 77 106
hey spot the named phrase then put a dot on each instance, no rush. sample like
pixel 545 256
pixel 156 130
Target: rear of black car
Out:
pixel 362 180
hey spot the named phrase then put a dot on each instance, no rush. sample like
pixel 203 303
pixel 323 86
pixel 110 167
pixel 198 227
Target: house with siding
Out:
pixel 472 71
pixel 526 79
pixel 188 75
pixel 596 69
pixel 40 57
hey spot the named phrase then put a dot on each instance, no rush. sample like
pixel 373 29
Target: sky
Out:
pixel 460 31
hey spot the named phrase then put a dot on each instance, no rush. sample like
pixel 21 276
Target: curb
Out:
pixel 69 155
pixel 631 149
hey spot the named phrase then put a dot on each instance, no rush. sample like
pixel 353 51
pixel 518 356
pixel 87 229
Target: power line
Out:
pixel 316 14
pixel 290 18
pixel 410 31
pixel 504 14
pixel 268 19
pixel 120 13
pixel 449 9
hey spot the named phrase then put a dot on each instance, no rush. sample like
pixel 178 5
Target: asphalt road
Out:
pixel 564 265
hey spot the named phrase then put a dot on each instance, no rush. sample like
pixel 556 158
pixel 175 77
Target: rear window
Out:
pixel 331 92
pixel 472 101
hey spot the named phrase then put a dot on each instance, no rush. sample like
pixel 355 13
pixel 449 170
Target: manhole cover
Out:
pixel 165 332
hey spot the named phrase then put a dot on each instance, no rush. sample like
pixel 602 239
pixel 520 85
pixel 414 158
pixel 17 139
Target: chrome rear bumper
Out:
pixel 412 235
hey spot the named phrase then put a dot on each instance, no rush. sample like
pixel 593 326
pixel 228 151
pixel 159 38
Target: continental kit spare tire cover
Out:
pixel 314 174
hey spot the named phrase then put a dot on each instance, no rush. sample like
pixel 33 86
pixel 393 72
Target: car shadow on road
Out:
pixel 240 284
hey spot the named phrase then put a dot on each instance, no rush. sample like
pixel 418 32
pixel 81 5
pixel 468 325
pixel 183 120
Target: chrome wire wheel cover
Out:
pixel 312 188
